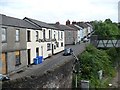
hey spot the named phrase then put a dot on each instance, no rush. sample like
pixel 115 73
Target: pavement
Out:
pixel 50 63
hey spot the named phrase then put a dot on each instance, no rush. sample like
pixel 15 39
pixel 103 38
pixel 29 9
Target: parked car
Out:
pixel 85 40
pixel 4 77
pixel 67 51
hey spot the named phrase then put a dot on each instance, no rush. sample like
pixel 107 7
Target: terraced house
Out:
pixel 70 33
pixel 13 43
pixel 23 40
pixel 46 42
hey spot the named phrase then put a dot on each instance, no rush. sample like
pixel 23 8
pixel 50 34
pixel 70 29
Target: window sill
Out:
pixel 17 41
pixel 28 41
pixel 49 50
pixel 18 64
pixel 4 41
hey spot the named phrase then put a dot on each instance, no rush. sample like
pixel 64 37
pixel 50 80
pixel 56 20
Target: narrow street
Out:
pixel 50 63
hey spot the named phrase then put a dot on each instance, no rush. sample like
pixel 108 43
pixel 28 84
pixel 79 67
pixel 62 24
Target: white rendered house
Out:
pixel 45 42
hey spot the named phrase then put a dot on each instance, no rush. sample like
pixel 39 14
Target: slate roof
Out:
pixel 82 24
pixel 73 26
pixel 39 23
pixel 62 27
pixel 15 22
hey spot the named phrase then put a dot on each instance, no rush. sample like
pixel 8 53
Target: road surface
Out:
pixel 50 63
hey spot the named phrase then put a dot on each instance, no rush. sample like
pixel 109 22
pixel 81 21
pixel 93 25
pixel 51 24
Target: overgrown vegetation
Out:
pixel 93 60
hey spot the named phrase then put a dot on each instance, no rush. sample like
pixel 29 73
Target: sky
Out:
pixel 52 11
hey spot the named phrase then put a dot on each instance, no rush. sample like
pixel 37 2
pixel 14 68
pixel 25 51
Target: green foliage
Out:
pixel 92 60
pixel 106 28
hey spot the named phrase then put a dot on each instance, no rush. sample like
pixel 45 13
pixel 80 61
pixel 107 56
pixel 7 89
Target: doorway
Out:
pixel 52 49
pixel 4 63
pixel 37 52
pixel 29 54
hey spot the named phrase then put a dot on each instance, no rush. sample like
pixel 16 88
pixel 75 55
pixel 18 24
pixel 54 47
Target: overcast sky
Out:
pixel 52 11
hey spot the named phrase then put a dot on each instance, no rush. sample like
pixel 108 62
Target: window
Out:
pixel 17 58
pixel 49 34
pixel 57 44
pixel 54 46
pixel 28 36
pixel 17 35
pixel 58 35
pixel 37 36
pixel 62 44
pixel 44 34
pixel 48 46
pixel 61 35
pixel 4 35
pixel 54 34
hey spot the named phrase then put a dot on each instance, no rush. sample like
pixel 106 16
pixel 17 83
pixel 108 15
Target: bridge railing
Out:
pixel 112 37
pixel 105 41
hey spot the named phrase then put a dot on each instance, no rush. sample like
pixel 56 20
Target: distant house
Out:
pixel 13 43
pixel 84 27
pixel 78 30
pixel 70 33
pixel 48 41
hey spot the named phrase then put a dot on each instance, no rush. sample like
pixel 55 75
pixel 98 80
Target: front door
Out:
pixel 4 63
pixel 52 49
pixel 29 54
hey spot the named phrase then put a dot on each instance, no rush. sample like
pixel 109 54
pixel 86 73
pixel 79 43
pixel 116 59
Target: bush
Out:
pixel 92 60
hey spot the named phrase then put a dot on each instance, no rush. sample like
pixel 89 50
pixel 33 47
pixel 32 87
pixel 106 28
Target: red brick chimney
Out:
pixel 68 22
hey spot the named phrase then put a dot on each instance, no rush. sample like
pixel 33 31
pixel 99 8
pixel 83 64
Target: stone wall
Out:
pixel 60 77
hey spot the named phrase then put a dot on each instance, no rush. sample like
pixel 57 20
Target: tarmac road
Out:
pixel 50 63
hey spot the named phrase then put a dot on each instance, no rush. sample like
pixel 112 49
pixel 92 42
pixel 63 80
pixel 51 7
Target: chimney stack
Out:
pixel 74 22
pixel 67 22
pixel 57 23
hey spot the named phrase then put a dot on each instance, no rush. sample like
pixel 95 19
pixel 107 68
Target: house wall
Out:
pixel 59 40
pixel 33 44
pixel 10 46
pixel 70 37
pixel 11 68
pixel 46 53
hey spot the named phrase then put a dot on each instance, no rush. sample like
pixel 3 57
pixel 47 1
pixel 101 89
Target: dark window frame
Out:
pixel 61 44
pixel 49 34
pixel 4 41
pixel 37 35
pixel 49 46
pixel 17 62
pixel 17 35
pixel 28 36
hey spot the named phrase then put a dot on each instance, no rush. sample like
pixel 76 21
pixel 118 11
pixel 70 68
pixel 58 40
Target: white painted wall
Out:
pixel 43 45
pixel 33 44
pixel 59 40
